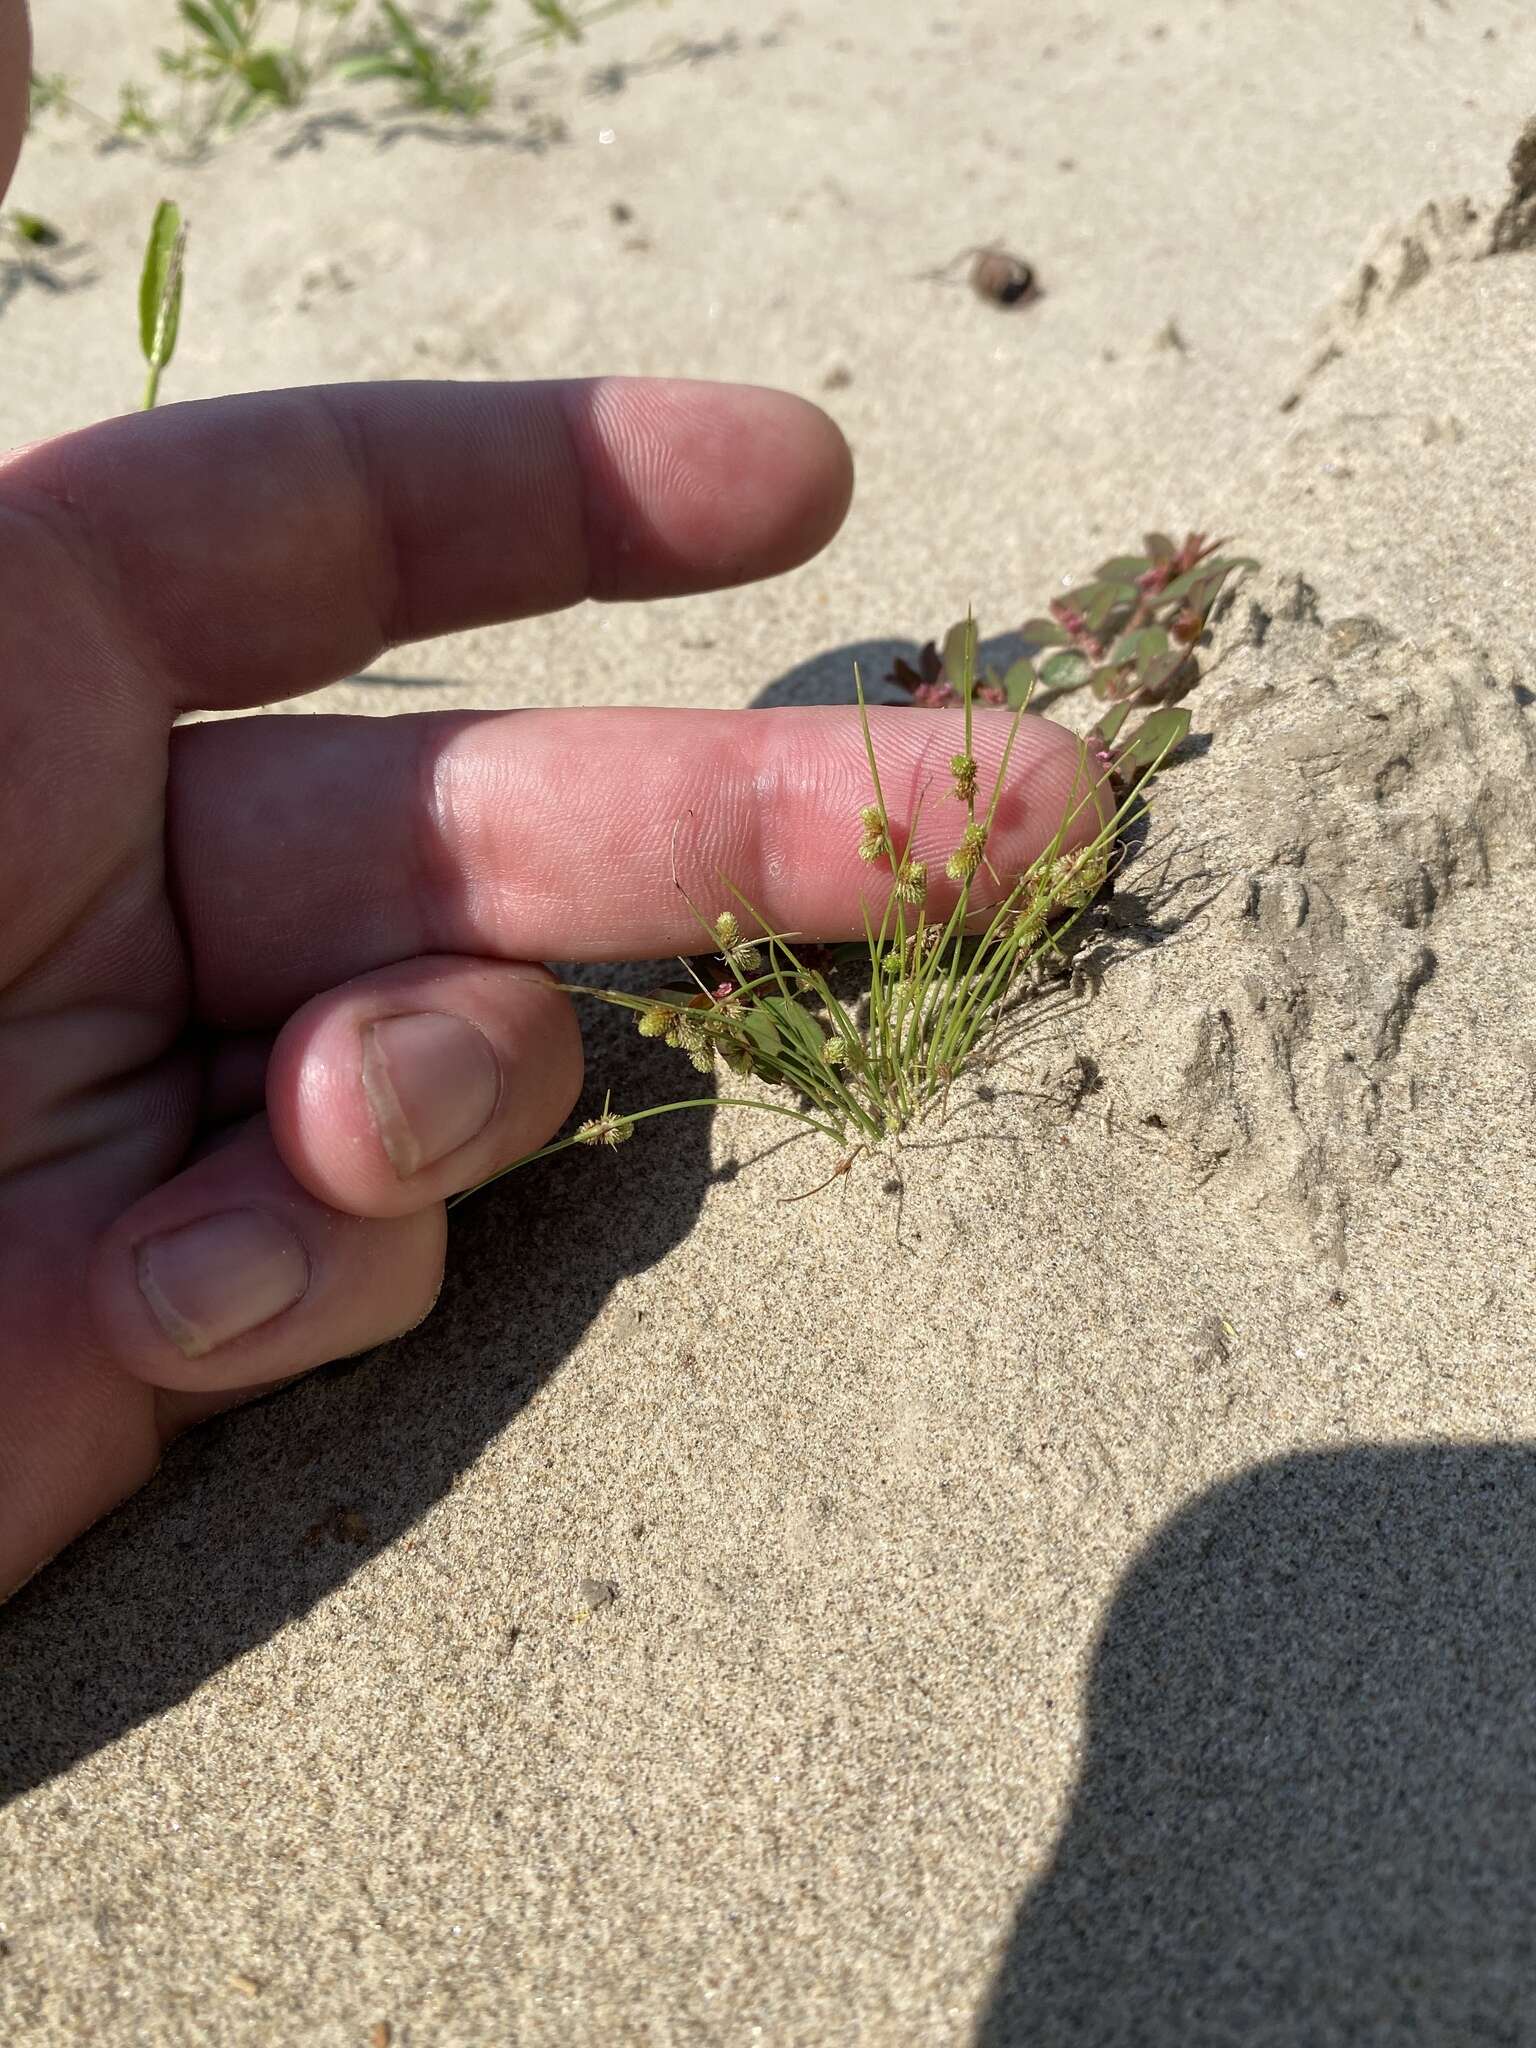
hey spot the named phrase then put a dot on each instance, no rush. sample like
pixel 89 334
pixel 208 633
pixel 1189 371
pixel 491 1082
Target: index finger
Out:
pixel 253 548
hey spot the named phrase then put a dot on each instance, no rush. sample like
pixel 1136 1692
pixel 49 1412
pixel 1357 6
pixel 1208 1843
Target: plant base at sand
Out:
pixel 860 1042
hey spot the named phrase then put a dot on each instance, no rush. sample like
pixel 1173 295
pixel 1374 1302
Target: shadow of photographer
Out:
pixel 1307 1810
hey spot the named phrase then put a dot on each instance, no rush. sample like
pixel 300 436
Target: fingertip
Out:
pixel 703 485
pixel 400 1088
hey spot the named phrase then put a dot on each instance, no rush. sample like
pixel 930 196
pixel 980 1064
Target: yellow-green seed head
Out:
pixel 1079 876
pixel 912 881
pixel 872 824
pixel 690 1031
pixel 834 1052
pixel 727 930
pixel 656 1021
pixel 606 1130
pixel 963 768
pixel 966 858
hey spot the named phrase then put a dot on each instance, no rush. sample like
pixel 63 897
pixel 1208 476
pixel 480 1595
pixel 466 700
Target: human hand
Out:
pixel 265 992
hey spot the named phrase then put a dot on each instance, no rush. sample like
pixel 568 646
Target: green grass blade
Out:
pixel 218 34
pixel 160 293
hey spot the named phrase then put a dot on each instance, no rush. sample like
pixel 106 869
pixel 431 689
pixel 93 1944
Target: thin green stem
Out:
pixel 640 1116
pixel 869 751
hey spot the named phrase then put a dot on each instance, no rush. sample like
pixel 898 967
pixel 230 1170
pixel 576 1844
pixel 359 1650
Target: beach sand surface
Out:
pixel 1072 1581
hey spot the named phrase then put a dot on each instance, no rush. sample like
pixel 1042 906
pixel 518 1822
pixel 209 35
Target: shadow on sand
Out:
pixel 256 1517
pixel 1307 1810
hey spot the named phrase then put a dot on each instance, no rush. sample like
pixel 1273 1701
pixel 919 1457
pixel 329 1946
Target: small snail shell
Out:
pixel 1002 278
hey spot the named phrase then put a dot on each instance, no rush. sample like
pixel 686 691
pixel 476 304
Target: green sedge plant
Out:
pixel 859 1043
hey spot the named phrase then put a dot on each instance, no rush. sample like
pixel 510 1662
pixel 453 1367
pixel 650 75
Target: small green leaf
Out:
pixel 1180 589
pixel 1019 684
pixel 960 654
pixel 1139 647
pixel 270 76
pixel 134 115
pixel 209 27
pixel 1112 721
pixel 792 1021
pixel 31 227
pixel 236 20
pixel 160 285
pixel 408 33
pixel 1043 633
pixel 1124 568
pixel 375 64
pixel 1160 672
pixel 1153 739
pixel 1159 546
pixel 1065 671
pixel 557 19
pixel 1107 598
pixel 759 1026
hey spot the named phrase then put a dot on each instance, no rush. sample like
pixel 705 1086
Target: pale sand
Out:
pixel 1129 1641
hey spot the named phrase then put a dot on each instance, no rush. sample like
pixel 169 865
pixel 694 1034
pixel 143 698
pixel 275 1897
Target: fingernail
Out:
pixel 214 1280
pixel 432 1083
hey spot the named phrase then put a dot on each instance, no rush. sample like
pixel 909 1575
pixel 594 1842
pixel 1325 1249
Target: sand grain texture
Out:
pixel 1072 1584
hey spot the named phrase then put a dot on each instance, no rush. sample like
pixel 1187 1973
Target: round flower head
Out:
pixel 966 858
pixel 912 881
pixel 691 1034
pixel 607 1129
pixel 740 956
pixel 872 825
pixel 656 1021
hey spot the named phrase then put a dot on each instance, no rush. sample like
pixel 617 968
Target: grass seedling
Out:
pixel 160 294
pixel 433 77
pixel 862 1061
pixel 559 23
pixel 241 59
pixel 247 76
